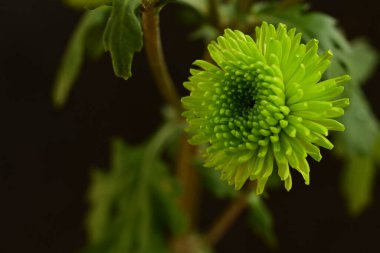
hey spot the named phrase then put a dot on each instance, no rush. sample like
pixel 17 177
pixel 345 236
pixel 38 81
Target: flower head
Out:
pixel 263 105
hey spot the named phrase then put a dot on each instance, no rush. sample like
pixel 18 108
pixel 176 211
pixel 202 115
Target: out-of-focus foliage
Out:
pixel 261 221
pixel 198 5
pixel 87 4
pixel 358 146
pixel 310 24
pixel 358 181
pixel 123 36
pixel 84 39
pixel 135 201
pixel 362 125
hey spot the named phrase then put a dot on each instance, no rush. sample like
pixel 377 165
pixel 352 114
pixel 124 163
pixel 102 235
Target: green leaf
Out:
pixel 261 220
pixel 358 145
pixel 87 4
pixel 135 202
pixel 165 192
pixel 362 126
pixel 310 24
pixel 108 188
pixel 358 182
pixel 123 36
pixel 121 218
pixel 363 61
pixel 75 51
pixel 163 187
pixel 206 32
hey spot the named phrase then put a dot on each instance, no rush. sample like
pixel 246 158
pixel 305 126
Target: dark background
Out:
pixel 46 155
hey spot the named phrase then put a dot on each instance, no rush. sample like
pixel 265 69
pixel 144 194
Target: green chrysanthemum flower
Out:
pixel 263 104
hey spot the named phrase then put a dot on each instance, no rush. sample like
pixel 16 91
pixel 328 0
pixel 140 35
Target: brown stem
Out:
pixel 245 5
pixel 187 176
pixel 214 13
pixel 225 220
pixel 153 47
pixel 229 216
pixel 189 180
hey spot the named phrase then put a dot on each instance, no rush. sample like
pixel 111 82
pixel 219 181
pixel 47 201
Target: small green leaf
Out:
pixel 261 220
pixel 358 182
pixel 75 51
pixel 87 4
pixel 123 36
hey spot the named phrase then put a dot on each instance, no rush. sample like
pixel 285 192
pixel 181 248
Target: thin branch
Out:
pixel 225 220
pixel 153 47
pixel 187 176
pixel 214 13
pixel 229 216
pixel 245 5
pixel 189 180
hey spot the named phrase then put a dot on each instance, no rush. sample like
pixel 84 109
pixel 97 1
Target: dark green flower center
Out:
pixel 247 110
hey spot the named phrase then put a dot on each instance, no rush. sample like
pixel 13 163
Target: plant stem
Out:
pixel 229 216
pixel 225 220
pixel 153 47
pixel 245 5
pixel 214 13
pixel 189 180
pixel 187 176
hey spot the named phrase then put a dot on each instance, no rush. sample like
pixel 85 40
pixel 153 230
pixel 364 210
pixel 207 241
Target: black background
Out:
pixel 46 155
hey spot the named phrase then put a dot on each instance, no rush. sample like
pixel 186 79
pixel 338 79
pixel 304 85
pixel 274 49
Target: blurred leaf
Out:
pixel 211 180
pixel 363 60
pixel 73 57
pixel 362 127
pixel 164 195
pixel 135 201
pixel 206 32
pixel 163 187
pixel 199 5
pixel 261 220
pixel 111 195
pixel 358 181
pixel 87 4
pixel 123 36
pixel 311 24
pixel 94 46
pixel 358 144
